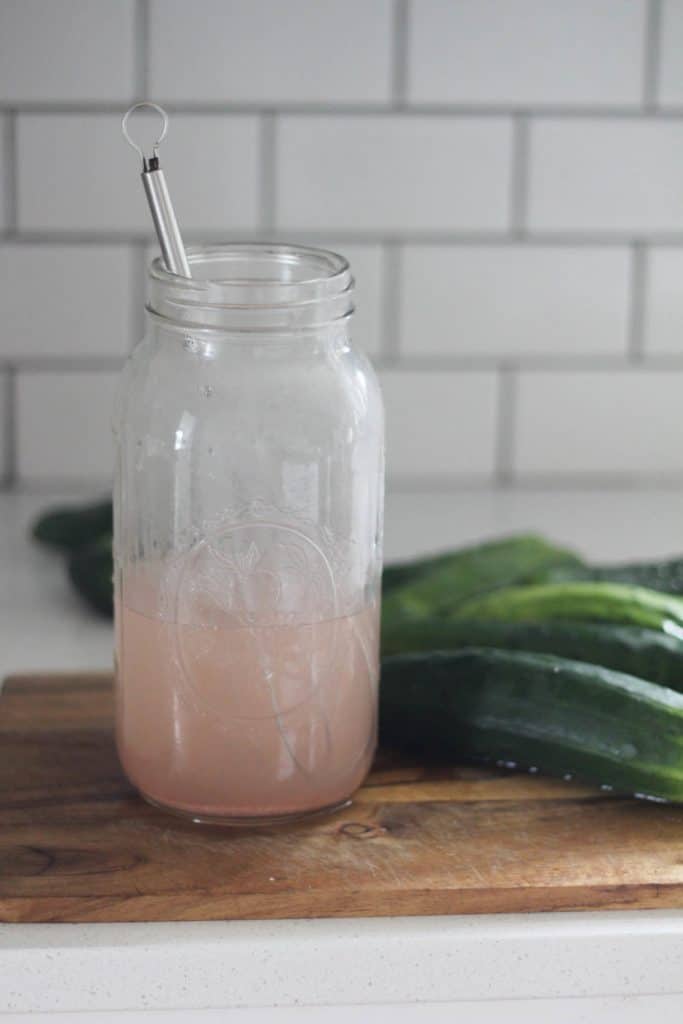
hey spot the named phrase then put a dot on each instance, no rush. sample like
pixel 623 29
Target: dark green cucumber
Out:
pixel 666 577
pixel 90 569
pixel 558 716
pixel 592 602
pixel 71 527
pixel 435 586
pixel 647 653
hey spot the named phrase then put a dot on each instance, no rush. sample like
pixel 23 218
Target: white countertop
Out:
pixel 565 967
pixel 43 624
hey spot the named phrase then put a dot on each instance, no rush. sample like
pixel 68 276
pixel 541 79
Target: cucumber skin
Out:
pixel 69 527
pixel 647 653
pixel 438 585
pixel 91 569
pixel 594 602
pixel 665 577
pixel 557 715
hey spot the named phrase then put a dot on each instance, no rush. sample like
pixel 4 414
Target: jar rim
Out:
pixel 254 285
pixel 285 253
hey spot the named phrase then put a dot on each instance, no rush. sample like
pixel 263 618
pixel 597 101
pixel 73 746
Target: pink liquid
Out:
pixel 221 720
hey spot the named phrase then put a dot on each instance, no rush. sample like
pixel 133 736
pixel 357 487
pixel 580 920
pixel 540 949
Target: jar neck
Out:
pixel 254 288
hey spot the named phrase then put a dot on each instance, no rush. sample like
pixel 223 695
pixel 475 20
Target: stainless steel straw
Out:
pixel 156 190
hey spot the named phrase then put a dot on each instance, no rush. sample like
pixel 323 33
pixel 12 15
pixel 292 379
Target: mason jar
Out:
pixel 248 539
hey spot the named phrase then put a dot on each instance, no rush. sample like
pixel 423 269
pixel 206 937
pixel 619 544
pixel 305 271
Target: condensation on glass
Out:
pixel 248 539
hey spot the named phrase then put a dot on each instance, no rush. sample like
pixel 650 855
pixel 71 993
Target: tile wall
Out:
pixel 505 175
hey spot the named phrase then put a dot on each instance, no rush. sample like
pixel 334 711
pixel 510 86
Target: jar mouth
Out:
pixel 254 286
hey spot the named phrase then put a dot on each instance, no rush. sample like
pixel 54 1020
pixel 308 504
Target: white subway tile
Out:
pixel 606 175
pixel 440 424
pixel 528 52
pixel 64 300
pixel 513 301
pixel 301 51
pixel 606 424
pixel 66 50
pixel 670 85
pixel 393 173
pixel 64 425
pixel 76 172
pixel 664 302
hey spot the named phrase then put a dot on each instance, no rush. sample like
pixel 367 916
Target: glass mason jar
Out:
pixel 248 538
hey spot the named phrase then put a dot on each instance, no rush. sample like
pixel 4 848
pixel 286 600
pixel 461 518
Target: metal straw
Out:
pixel 156 190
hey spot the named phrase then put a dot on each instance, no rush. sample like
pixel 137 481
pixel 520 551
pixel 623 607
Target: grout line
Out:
pixel 595 483
pixel 632 112
pixel 406 484
pixel 452 237
pixel 651 54
pixel 636 316
pixel 58 237
pixel 10 428
pixel 11 175
pixel 64 364
pixel 268 155
pixel 141 49
pixel 505 425
pixel 399 56
pixel 390 360
pixel 519 176
pixel 390 341
pixel 69 486
pixel 533 363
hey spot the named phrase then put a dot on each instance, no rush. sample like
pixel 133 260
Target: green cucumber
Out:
pixel 435 586
pixel 90 569
pixel 72 526
pixel 666 577
pixel 596 602
pixel 554 715
pixel 648 653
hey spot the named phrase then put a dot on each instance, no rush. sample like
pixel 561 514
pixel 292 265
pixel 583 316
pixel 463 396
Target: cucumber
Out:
pixel 647 653
pixel 90 569
pixel 437 585
pixel 399 573
pixel 666 577
pixel 71 527
pixel 597 602
pixel 555 715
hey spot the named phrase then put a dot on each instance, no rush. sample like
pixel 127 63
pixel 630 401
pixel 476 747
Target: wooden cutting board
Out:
pixel 77 844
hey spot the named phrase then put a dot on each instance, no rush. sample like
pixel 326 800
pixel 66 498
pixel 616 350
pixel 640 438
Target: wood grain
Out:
pixel 77 844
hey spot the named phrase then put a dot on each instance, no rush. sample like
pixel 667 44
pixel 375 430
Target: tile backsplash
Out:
pixel 506 177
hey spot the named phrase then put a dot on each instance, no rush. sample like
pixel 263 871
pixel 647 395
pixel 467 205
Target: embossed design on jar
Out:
pixel 256 621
